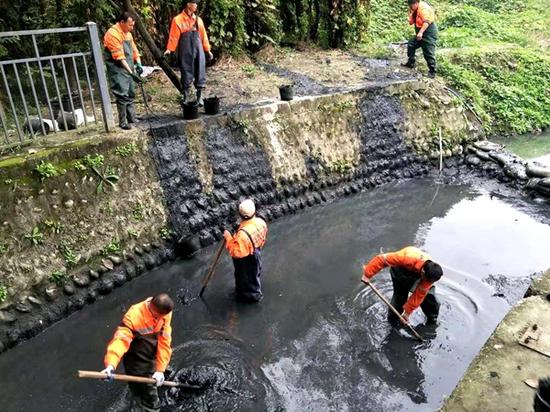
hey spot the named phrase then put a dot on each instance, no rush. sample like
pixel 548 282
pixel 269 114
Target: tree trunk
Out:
pixel 150 43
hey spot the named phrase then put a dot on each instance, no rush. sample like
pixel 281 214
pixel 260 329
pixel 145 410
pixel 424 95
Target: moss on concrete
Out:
pixel 75 214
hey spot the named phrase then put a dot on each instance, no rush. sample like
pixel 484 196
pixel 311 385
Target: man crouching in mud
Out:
pixel 411 271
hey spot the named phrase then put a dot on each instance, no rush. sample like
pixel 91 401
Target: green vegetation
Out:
pixel 3 249
pixel 107 177
pixel 234 26
pixel 132 233
pixel 164 233
pixel 138 212
pixel 341 167
pixel 112 247
pixel 55 226
pixel 46 170
pixel 493 53
pixel 93 161
pixel 68 254
pixel 36 236
pixel 3 293
pixel 58 277
pixel 126 150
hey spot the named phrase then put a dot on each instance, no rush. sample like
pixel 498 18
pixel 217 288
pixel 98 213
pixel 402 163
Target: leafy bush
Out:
pixel 509 87
pixel 226 26
pixel 46 170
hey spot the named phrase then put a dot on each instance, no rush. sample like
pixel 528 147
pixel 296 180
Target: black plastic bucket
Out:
pixel 286 92
pixel 190 110
pixel 212 105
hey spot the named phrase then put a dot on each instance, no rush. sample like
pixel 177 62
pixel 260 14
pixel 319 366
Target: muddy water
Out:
pixel 319 340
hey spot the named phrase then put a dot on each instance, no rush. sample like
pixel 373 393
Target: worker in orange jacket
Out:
pixel 422 16
pixel 188 36
pixel 411 271
pixel 245 248
pixel 143 343
pixel 123 67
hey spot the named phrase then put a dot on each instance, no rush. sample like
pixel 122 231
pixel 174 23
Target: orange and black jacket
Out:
pixel 423 14
pixel 250 235
pixel 410 258
pixel 139 325
pixel 184 23
pixel 113 41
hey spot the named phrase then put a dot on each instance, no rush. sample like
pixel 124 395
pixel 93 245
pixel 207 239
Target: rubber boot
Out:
pixel 131 113
pixel 122 116
pixel 200 101
pixel 409 64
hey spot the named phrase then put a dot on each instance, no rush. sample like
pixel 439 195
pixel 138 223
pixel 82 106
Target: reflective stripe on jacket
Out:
pixel 184 23
pixel 114 42
pixel 251 235
pixel 423 14
pixel 409 258
pixel 140 321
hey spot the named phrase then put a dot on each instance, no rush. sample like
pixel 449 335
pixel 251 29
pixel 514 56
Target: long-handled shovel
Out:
pixel 138 379
pixel 212 268
pixel 401 318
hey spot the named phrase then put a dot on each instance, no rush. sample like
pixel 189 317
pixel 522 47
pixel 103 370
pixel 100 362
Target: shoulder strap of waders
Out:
pixel 249 237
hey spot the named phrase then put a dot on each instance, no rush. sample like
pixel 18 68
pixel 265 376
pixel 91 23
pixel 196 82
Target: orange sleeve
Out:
pixel 114 45
pixel 164 348
pixel 417 296
pixel 238 245
pixel 375 265
pixel 204 36
pixel 382 261
pixel 135 50
pixel 173 37
pixel 120 343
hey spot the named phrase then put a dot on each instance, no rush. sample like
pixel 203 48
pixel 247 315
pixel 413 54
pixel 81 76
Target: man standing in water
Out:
pixel 411 271
pixel 143 342
pixel 245 249
pixel 188 36
pixel 122 58
pixel 422 15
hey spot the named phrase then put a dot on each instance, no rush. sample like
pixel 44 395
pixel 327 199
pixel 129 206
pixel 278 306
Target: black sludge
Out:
pixel 227 379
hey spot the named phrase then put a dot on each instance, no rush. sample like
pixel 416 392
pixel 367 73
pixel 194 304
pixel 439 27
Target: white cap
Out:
pixel 247 208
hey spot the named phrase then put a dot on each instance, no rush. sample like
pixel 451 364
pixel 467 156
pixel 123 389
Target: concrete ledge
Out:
pixel 494 380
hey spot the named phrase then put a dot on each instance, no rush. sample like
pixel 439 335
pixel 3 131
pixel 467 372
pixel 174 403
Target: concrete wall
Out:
pixel 187 177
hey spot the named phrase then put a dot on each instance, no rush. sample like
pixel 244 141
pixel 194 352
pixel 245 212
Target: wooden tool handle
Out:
pixel 126 378
pixel 212 267
pixel 401 318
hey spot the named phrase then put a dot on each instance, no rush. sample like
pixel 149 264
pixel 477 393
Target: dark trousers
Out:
pixel 248 270
pixel 145 396
pixel 428 43
pixel 192 61
pixel 403 283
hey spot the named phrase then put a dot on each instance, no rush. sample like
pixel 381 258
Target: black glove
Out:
pixel 137 78
pixel 139 69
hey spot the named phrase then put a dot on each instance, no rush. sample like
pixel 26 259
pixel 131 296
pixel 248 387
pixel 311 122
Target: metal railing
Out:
pixel 53 93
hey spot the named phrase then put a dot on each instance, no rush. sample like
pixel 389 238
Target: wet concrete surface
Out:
pixel 319 340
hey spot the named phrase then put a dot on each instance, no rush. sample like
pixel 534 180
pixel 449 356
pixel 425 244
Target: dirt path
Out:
pixel 249 81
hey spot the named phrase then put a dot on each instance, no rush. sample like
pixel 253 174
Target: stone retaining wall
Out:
pixel 84 217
